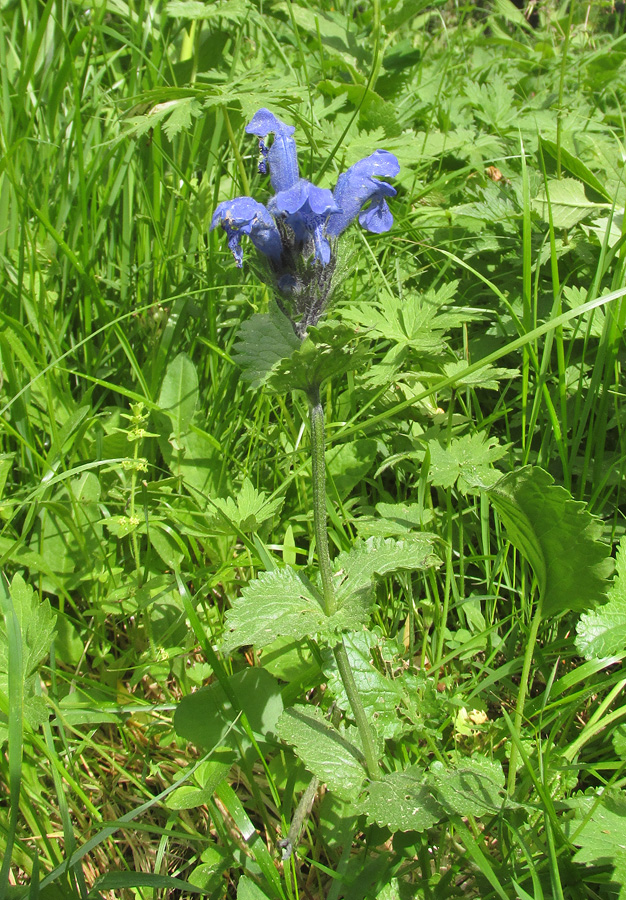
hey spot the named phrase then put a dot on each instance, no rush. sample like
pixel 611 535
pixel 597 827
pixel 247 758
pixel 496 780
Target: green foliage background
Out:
pixel 143 485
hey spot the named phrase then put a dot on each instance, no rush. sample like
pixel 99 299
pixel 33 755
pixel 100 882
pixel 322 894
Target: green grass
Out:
pixel 121 128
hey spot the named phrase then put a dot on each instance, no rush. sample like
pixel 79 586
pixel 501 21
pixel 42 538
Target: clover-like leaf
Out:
pixel 245 512
pixel 35 622
pixel 466 460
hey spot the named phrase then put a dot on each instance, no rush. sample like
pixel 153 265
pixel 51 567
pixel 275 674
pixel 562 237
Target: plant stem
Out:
pixel 358 710
pixel 318 466
pixel 523 689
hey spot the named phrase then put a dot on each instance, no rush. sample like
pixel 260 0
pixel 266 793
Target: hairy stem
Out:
pixel 318 460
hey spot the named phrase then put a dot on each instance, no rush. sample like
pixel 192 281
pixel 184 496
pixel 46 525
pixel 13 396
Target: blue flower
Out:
pixel 297 231
pixel 306 210
pixel 243 215
pixel 357 186
pixel 282 155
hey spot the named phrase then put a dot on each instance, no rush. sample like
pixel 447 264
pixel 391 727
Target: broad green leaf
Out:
pixel 349 463
pixel 467 461
pixel 284 603
pixel 575 166
pixel 601 838
pixel 323 750
pixel 474 787
pixel 167 544
pixel 602 632
pixel 328 350
pixel 207 718
pixel 380 694
pixel 179 395
pixel 356 569
pixel 401 801
pixel 248 890
pixel 281 603
pixel 199 464
pixel 394 520
pixel 246 512
pixel 567 200
pixel 263 341
pixel 558 537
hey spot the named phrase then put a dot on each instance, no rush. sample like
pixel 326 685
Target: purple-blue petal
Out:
pixel 282 156
pixel 377 217
pixel 264 122
pixel 357 187
pixel 244 215
pixel 306 208
pixel 320 200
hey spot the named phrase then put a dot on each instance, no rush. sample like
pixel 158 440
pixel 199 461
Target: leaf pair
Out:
pixel 285 603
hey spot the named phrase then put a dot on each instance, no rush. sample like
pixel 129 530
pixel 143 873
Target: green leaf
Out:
pixel 410 321
pixel 356 569
pixel 566 199
pixel 247 512
pixel 209 775
pixel 474 787
pixel 380 694
pixel 601 838
pixel 117 881
pixel 602 632
pixel 349 463
pixel 179 395
pixel 271 354
pixel 264 340
pixel 401 801
pixel 466 460
pixel 207 718
pixel 36 623
pixel 328 350
pixel 488 376
pixel 247 890
pixel 284 603
pixel 281 603
pixel 233 10
pixel 323 750
pixel 575 166
pixel 558 537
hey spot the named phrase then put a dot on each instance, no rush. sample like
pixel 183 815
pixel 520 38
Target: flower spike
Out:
pixel 298 229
